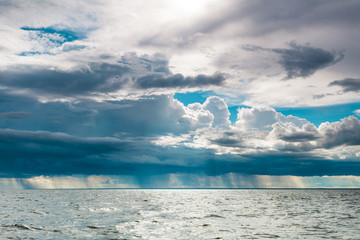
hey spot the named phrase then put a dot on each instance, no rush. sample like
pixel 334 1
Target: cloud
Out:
pixel 251 136
pixel 154 115
pixel 347 84
pixel 283 164
pixel 301 60
pixel 160 115
pixel 28 153
pixel 194 146
pixel 262 118
pixel 148 116
pixel 34 153
pixel 46 40
pixel 219 109
pixel 93 77
pixel 178 80
pixel 54 143
pixel 320 96
pixel 288 132
pixel 130 73
pixel 63 35
pixel 16 115
pixel 345 132
pixel 264 18
pixel 145 64
pixel 72 47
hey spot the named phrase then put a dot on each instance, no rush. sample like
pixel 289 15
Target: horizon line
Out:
pixel 308 188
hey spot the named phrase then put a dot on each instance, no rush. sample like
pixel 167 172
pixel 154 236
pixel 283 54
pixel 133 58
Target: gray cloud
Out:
pixel 265 17
pixel 301 60
pixel 16 115
pixel 131 72
pixel 178 80
pixel 53 153
pixel 227 142
pixel 320 96
pixel 146 64
pixel 261 18
pixel 42 152
pixel 289 132
pixel 68 47
pixel 149 116
pixel 27 153
pixel 55 142
pixel 299 137
pixel 348 84
pixel 94 77
pixel 346 132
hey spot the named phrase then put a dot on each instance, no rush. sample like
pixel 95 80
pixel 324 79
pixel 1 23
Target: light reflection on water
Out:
pixel 180 214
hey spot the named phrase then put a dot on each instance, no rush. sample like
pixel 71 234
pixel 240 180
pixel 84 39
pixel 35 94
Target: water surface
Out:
pixel 180 214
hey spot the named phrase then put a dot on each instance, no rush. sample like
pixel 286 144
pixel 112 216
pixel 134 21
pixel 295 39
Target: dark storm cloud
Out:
pixel 41 151
pixel 299 137
pixel 26 113
pixel 348 84
pixel 55 144
pixel 132 71
pixel 178 80
pixel 283 164
pixel 27 153
pixel 150 116
pixel 301 60
pixel 94 77
pixel 15 115
pixel 227 142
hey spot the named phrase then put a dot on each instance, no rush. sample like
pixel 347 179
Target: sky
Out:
pixel 179 94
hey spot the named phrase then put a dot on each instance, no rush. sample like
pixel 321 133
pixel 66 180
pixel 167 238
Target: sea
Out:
pixel 180 214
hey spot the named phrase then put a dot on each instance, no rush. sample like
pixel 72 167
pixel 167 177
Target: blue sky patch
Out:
pixel 193 97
